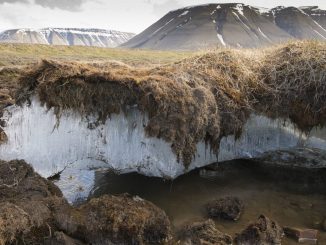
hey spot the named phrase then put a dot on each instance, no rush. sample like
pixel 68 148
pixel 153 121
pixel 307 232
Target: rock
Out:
pixel 262 232
pixel 200 233
pixel 61 238
pixel 302 235
pixel 116 220
pixel 229 208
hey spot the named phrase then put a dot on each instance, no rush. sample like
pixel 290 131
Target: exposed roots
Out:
pixel 296 78
pixel 201 98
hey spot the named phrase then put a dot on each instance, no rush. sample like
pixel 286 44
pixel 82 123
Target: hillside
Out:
pixel 66 36
pixel 234 25
pixel 316 14
pixel 298 23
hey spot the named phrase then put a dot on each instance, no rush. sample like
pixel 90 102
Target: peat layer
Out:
pixel 204 97
pixel 33 211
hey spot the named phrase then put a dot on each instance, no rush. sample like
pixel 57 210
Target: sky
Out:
pixel 122 15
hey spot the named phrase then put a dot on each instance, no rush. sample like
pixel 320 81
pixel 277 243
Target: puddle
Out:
pixel 292 196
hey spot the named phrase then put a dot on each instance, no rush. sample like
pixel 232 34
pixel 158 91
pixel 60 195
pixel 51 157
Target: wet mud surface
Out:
pixel 291 196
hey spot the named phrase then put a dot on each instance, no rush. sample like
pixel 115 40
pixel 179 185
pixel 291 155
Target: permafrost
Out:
pixel 73 143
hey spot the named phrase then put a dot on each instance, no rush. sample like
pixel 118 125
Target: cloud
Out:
pixel 70 5
pixel 161 9
pixel 13 1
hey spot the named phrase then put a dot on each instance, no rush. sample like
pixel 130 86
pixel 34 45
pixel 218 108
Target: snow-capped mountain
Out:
pixel 235 25
pixel 316 14
pixel 297 22
pixel 66 36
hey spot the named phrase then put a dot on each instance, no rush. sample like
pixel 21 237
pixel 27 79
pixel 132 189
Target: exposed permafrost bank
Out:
pixel 155 121
pixel 50 145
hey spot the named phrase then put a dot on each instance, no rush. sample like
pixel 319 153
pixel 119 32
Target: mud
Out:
pixel 262 232
pixel 27 204
pixel 229 208
pixel 33 211
pixel 118 220
pixel 291 196
pixel 205 232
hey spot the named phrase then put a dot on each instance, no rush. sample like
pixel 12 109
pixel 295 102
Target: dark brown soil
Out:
pixel 60 238
pixel 27 203
pixel 33 211
pixel 229 208
pixel 9 85
pixel 118 220
pixel 204 233
pixel 263 232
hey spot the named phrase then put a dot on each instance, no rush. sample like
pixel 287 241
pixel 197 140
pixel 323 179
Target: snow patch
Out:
pixel 195 6
pixel 162 26
pixel 220 37
pixel 184 13
pixel 246 26
pixel 217 8
pixel 312 8
pixel 263 34
pixel 318 33
pixel 302 12
pixel 239 8
pixel 319 26
pixel 261 10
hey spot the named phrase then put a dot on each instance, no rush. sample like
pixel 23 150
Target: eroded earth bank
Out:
pixel 70 119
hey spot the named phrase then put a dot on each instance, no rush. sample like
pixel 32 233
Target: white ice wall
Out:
pixel 121 144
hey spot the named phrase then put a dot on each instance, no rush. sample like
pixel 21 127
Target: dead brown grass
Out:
pixel 295 76
pixel 13 222
pixel 199 98
pixel 26 204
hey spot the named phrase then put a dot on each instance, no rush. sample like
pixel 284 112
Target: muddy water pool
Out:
pixel 291 196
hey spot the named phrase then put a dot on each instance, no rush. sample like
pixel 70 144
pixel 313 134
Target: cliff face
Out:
pixel 66 36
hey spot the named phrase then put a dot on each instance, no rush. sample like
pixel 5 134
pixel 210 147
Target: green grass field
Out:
pixel 21 54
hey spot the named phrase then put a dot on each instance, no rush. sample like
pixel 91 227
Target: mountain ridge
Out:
pixel 66 36
pixel 230 24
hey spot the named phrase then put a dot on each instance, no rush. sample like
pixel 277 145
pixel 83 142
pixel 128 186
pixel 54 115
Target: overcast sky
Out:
pixel 122 15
